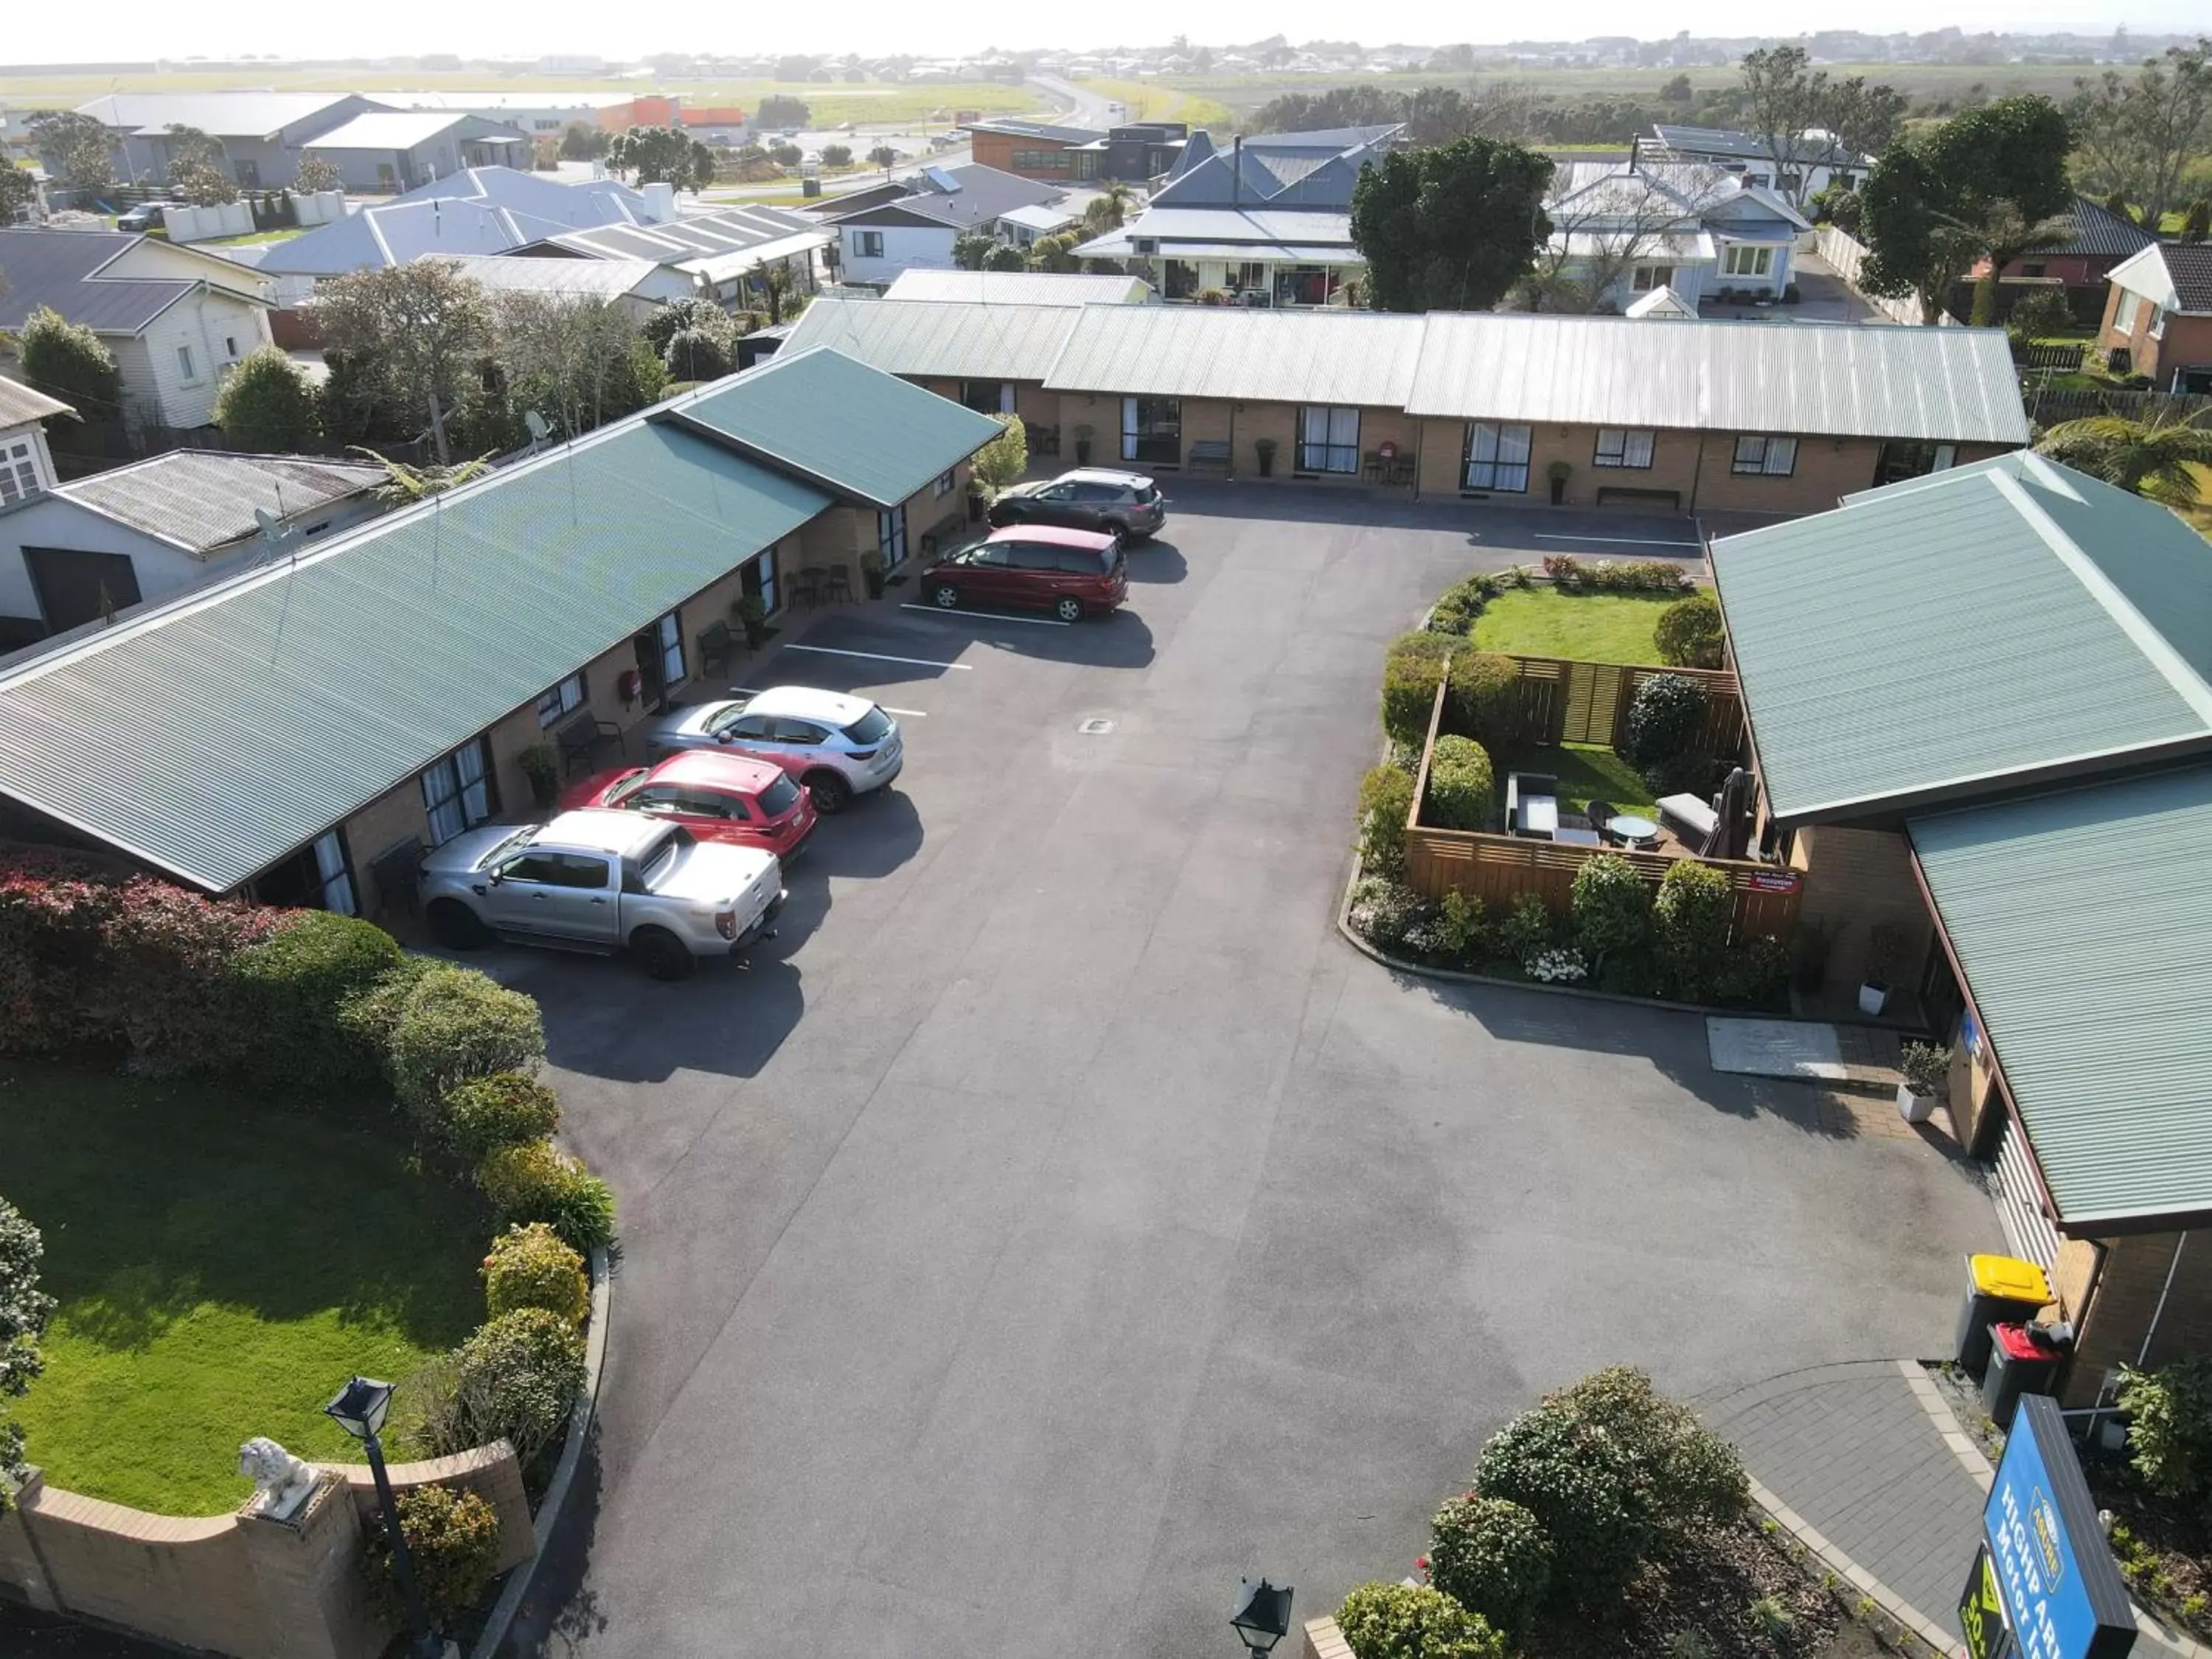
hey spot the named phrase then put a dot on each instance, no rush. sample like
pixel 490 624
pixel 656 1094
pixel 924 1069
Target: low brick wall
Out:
pixel 1323 1640
pixel 238 1584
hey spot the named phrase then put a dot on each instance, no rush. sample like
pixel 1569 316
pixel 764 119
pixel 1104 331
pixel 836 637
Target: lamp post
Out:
pixel 1262 1617
pixel 360 1409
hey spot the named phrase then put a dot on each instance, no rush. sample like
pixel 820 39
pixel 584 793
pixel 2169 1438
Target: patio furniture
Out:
pixel 841 585
pixel 582 736
pixel 1690 819
pixel 1209 455
pixel 1629 829
pixel 1372 467
pixel 1401 471
pixel 1673 498
pixel 1599 814
pixel 1577 838
pixel 398 873
pixel 716 647
pixel 806 586
pixel 1044 439
pixel 1532 804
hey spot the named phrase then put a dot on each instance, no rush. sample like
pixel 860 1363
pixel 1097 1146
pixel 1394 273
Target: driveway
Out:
pixel 1059 1219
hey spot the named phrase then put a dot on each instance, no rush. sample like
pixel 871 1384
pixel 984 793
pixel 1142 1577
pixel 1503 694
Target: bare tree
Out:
pixel 1605 224
pixel 1782 98
pixel 419 332
pixel 2137 134
pixel 1863 116
pixel 568 358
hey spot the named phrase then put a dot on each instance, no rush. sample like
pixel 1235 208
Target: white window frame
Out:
pixel 1501 439
pixel 1337 447
pixel 457 791
pixel 669 632
pixel 868 245
pixel 1628 447
pixel 1761 462
pixel 557 702
pixel 22 477
pixel 188 374
pixel 333 874
pixel 1746 259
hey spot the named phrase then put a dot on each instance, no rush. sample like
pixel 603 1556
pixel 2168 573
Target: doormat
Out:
pixel 1804 1049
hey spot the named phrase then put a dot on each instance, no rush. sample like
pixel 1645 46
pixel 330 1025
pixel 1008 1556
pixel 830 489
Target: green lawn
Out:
pixel 1585 770
pixel 252 239
pixel 223 1265
pixel 1542 621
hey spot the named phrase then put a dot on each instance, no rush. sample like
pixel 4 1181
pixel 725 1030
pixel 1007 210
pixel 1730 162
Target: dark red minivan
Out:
pixel 1074 573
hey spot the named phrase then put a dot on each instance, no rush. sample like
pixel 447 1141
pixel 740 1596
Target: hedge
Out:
pixel 530 1267
pixel 536 1181
pixel 1413 1621
pixel 1409 696
pixel 486 1113
pixel 1485 700
pixel 455 1023
pixel 1386 801
pixel 1690 633
pixel 1461 785
pixel 291 989
pixel 515 1379
pixel 452 1539
pixel 1490 1555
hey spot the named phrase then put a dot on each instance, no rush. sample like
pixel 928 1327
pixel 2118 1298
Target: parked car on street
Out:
pixel 716 795
pixel 147 215
pixel 1128 504
pixel 839 746
pixel 604 882
pixel 1074 573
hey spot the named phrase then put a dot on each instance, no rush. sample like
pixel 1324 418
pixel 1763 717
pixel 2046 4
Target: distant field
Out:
pixel 1156 99
pixel 830 104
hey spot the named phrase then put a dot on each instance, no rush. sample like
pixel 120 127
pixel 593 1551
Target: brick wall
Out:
pixel 2125 1299
pixel 1854 880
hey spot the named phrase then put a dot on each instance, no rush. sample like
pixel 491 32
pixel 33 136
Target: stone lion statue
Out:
pixel 281 1480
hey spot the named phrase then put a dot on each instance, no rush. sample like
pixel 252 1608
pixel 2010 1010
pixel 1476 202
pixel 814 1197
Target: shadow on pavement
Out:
pixel 559 1616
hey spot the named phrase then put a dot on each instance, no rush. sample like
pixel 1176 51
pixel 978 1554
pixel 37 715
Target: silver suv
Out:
pixel 839 746
pixel 596 880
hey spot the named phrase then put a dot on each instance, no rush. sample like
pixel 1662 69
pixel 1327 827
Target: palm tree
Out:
pixel 1107 209
pixel 2000 234
pixel 404 485
pixel 2156 458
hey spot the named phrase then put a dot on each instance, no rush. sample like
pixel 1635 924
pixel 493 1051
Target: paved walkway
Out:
pixel 1865 1464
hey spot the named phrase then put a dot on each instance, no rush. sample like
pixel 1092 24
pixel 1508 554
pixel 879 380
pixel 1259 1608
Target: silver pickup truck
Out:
pixel 603 881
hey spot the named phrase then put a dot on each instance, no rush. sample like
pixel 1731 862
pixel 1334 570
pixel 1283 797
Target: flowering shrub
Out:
pixel 1616 575
pixel 1557 966
pixel 1386 913
pixel 452 1538
pixel 530 1267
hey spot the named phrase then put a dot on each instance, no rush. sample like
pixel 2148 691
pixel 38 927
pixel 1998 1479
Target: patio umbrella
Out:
pixel 1732 817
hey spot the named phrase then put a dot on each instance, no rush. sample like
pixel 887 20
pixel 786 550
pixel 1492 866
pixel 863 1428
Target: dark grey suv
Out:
pixel 1125 504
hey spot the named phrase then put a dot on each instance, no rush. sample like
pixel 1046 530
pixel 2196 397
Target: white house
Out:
pixel 915 231
pixel 27 466
pixel 175 318
pixel 1811 161
pixel 637 286
pixel 721 255
pixel 1623 230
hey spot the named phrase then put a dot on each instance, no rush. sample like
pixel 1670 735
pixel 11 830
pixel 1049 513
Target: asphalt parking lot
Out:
pixel 1059 1219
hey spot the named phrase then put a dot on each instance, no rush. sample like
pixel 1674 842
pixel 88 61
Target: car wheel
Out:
pixel 947 597
pixel 832 795
pixel 1116 527
pixel 660 953
pixel 1069 609
pixel 456 926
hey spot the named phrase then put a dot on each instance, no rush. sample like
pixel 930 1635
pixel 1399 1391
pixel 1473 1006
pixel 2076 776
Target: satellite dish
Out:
pixel 270 527
pixel 539 430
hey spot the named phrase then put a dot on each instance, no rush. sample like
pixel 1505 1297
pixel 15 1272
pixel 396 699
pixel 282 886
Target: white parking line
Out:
pixel 903 713
pixel 879 656
pixel 1624 541
pixel 984 616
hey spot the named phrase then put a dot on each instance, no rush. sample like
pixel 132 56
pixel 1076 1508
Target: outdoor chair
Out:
pixel 1600 813
pixel 841 584
pixel 806 586
pixel 716 647
pixel 582 736
pixel 397 871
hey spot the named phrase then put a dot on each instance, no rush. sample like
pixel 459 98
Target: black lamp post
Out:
pixel 1262 1616
pixel 360 1409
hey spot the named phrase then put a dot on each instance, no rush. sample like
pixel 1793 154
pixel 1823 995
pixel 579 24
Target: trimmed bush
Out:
pixel 1690 634
pixel 530 1267
pixel 516 1379
pixel 452 1539
pixel 1461 785
pixel 1690 926
pixel 536 1181
pixel 290 989
pixel 1664 720
pixel 486 1113
pixel 1485 700
pixel 455 1024
pixel 1409 695
pixel 1523 931
pixel 24 1310
pixel 1755 972
pixel 1490 1556
pixel 1424 645
pixel 1612 908
pixel 1413 1621
pixel 2169 1427
pixel 1583 1487
pixel 371 1015
pixel 1386 801
pixel 1692 1477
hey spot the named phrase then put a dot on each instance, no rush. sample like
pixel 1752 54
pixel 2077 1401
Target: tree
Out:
pixel 2196 222
pixel 1108 210
pixel 70 362
pixel 836 155
pixel 1603 230
pixel 23 1311
pixel 17 192
pixel 704 163
pixel 404 485
pixel 2136 135
pixel 1781 99
pixel 198 171
pixel 315 174
pixel 2038 313
pixel 971 248
pixel 1677 90
pixel 268 405
pixel 781 109
pixel 2003 234
pixel 1864 118
pixel 698 353
pixel 786 155
pixel 2154 459
pixel 75 149
pixel 1054 253
pixel 1450 228
pixel 581 142
pixel 655 155
pixel 418 331
pixel 1000 463
pixel 695 313
pixel 1004 255
pixel 884 156
pixel 567 357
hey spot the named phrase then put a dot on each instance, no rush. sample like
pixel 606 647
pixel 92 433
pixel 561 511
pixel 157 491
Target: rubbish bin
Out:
pixel 1999 1289
pixel 2022 1361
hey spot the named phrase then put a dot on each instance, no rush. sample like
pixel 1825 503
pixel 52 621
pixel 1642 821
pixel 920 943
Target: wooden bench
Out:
pixel 716 647
pixel 1209 455
pixel 942 537
pixel 1639 493
pixel 398 873
pixel 582 736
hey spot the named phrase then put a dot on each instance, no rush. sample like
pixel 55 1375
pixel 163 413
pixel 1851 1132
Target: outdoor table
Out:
pixel 1635 831
pixel 1577 838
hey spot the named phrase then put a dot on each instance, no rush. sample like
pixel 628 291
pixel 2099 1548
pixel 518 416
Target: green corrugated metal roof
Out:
pixel 214 736
pixel 1997 620
pixel 2084 921
pixel 858 430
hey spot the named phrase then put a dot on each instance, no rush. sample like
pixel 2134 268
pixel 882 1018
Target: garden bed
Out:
pixel 206 1294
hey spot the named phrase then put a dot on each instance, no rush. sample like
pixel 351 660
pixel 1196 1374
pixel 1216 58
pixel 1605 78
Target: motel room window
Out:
pixel 987 396
pixel 19 470
pixel 457 791
pixel 561 700
pixel 1622 446
pixel 868 245
pixel 942 487
pixel 757 581
pixel 668 633
pixel 1329 440
pixel 1152 430
pixel 1764 457
pixel 318 877
pixel 1649 277
pixel 1497 457
pixel 891 537
pixel 1742 260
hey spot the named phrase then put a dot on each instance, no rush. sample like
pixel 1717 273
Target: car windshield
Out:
pixel 730 714
pixel 626 786
pixel 657 862
pixel 872 727
pixel 780 796
pixel 1149 493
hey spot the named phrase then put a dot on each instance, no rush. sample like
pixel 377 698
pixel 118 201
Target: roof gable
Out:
pixel 64 271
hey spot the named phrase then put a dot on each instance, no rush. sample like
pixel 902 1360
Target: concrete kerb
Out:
pixel 564 1470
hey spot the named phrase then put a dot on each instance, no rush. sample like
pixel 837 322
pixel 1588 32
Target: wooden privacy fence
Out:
pixel 1563 701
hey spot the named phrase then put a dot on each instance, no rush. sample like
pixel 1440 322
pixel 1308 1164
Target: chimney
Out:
pixel 1236 170
pixel 660 202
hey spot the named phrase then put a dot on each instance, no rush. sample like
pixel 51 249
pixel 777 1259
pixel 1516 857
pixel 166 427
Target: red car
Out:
pixel 1074 573
pixel 717 797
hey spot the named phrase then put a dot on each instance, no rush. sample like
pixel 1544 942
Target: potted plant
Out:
pixel 1885 952
pixel 752 616
pixel 1083 445
pixel 543 767
pixel 1927 1068
pixel 1558 472
pixel 1265 448
pixel 872 572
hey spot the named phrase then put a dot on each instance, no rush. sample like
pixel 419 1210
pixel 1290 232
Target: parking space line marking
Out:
pixel 984 616
pixel 903 713
pixel 879 656
pixel 1624 541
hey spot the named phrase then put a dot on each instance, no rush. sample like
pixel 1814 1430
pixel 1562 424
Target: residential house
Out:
pixel 1030 288
pixel 103 543
pixel 916 229
pixel 385 152
pixel 1811 161
pixel 27 466
pixel 1266 222
pixel 1036 149
pixel 539 114
pixel 1022 226
pixel 638 287
pixel 1726 416
pixel 2097 241
pixel 1621 230
pixel 263 135
pixel 725 254
pixel 2028 808
pixel 175 318
pixel 372 695
pixel 2158 316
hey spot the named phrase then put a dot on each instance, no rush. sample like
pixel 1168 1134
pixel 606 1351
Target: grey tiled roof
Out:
pixel 2098 232
pixel 58 269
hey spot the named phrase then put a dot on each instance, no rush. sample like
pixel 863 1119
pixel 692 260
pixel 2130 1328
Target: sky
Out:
pixel 46 31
